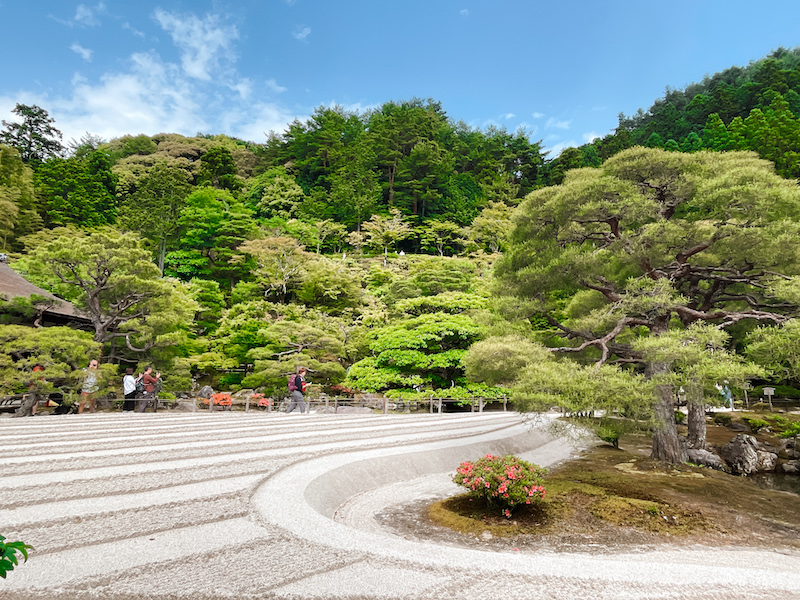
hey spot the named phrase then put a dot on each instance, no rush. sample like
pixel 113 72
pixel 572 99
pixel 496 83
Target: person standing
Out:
pixel 129 389
pixel 149 382
pixel 297 386
pixel 89 387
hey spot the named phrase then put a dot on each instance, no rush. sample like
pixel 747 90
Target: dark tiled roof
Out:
pixel 13 285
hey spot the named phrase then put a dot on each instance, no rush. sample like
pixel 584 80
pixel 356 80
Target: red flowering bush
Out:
pixel 259 398
pixel 503 481
pixel 220 399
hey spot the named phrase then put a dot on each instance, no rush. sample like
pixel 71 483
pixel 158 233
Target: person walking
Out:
pixel 297 386
pixel 129 390
pixel 149 382
pixel 89 387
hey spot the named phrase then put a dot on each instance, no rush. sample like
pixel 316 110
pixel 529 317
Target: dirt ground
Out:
pixel 611 500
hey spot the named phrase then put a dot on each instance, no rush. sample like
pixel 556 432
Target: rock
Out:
pixel 738 427
pixel 788 449
pixel 791 467
pixel 325 410
pixel 185 407
pixel 205 392
pixel 241 396
pixel 741 454
pixel 705 458
pixel 486 536
pixel 767 461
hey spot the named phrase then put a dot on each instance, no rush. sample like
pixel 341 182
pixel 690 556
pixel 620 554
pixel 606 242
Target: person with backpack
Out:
pixel 150 384
pixel 129 390
pixel 297 385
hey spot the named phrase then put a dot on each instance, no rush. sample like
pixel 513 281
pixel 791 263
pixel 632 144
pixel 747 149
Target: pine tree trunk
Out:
pixel 162 252
pixel 696 420
pixel 667 446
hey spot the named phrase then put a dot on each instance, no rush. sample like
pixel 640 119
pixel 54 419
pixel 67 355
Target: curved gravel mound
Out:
pixel 233 505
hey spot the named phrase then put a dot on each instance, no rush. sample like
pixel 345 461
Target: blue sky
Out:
pixel 563 70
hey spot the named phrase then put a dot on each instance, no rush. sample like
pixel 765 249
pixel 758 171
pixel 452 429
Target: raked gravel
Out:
pixel 209 506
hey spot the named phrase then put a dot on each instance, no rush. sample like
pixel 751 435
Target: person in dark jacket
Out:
pixel 297 387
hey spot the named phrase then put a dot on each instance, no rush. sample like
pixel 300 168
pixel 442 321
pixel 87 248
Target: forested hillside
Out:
pixel 397 251
pixel 742 108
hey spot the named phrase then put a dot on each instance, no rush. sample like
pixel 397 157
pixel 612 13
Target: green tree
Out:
pixel 112 277
pixel 61 351
pixel 77 191
pixel 650 241
pixel 18 216
pixel 441 236
pixel 279 263
pixel 383 232
pixel 154 209
pixel 218 169
pixel 418 352
pixel 35 136
pixel 491 227
pixel 212 225
pixel 274 193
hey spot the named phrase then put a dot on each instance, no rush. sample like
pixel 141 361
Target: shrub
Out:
pixel 503 481
pixel 723 419
pixel 755 424
pixel 219 399
pixel 680 417
pixel 8 555
pixel 791 431
pixel 609 435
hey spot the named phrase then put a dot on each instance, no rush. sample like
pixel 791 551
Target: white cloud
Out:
pixel 133 30
pixel 84 53
pixel 151 95
pixel 559 147
pixel 274 88
pixel 508 116
pixel 87 15
pixel 589 137
pixel 301 33
pixel 553 123
pixel 537 115
pixel 244 87
pixel 464 12
pixel 255 123
pixel 204 43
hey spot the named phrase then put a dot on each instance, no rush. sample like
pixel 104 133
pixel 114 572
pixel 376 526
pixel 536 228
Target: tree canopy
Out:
pixel 650 241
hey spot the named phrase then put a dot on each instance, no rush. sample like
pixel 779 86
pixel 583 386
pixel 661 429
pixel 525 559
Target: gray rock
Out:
pixel 206 392
pixel 767 461
pixel 741 454
pixel 791 467
pixel 185 407
pixel 705 458
pixel 738 427
pixel 241 396
pixel 788 449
